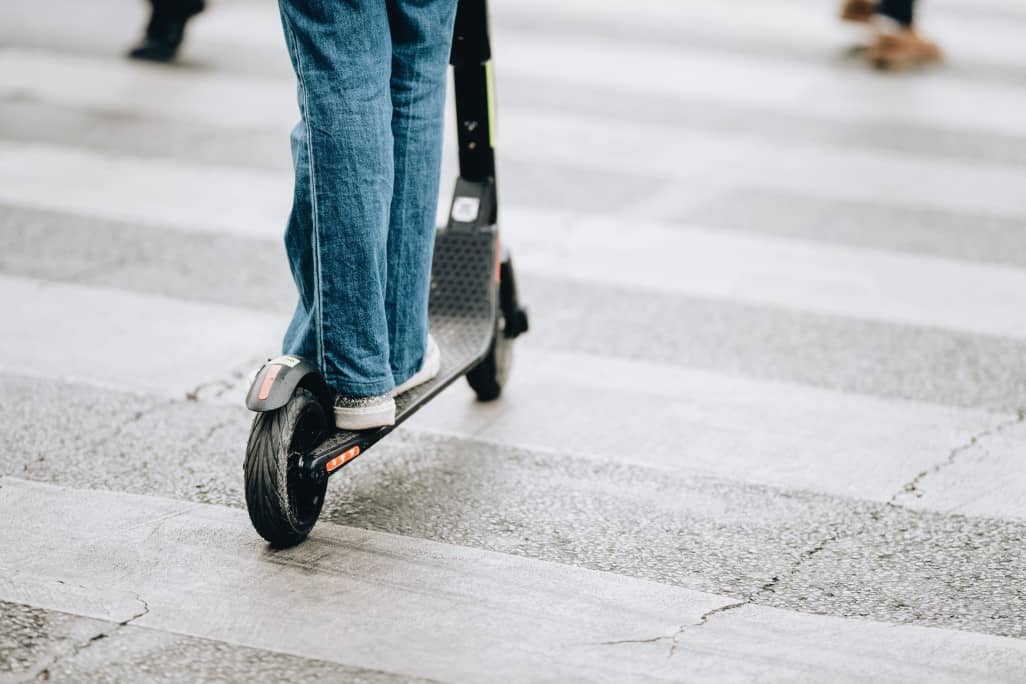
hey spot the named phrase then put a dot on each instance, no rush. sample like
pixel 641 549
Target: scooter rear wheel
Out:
pixel 283 505
pixel 488 377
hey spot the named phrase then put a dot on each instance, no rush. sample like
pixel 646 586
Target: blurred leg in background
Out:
pixel 895 42
pixel 859 11
pixel 165 29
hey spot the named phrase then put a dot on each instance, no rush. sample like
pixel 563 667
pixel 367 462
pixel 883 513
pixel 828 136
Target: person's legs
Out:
pixel 165 29
pixel 897 42
pixel 343 150
pixel 858 11
pixel 901 11
pixel 421 40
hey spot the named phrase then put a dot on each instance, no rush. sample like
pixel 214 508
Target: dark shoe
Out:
pixel 165 30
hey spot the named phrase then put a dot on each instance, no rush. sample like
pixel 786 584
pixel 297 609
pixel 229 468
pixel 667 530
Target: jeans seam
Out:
pixel 315 219
pixel 403 210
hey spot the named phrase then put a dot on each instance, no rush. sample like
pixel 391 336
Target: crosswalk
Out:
pixel 768 423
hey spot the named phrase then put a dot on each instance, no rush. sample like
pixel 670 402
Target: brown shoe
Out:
pixel 858 11
pixel 902 49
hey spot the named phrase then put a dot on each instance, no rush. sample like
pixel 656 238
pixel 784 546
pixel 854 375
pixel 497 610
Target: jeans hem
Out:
pixel 361 389
pixel 400 378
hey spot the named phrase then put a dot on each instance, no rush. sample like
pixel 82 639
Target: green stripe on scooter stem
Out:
pixel 490 93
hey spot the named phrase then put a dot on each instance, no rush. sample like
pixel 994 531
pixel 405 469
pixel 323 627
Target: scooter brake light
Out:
pixel 343 458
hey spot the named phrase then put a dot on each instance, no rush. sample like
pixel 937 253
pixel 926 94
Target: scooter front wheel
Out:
pixel 283 504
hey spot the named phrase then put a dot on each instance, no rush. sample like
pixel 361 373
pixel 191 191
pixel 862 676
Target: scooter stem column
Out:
pixel 475 103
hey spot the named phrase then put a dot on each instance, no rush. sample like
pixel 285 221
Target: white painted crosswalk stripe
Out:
pixel 118 339
pixel 426 609
pixel 778 434
pixel 145 191
pixel 839 281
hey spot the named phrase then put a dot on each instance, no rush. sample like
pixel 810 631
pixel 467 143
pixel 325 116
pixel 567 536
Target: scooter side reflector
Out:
pixel 343 458
pixel 265 386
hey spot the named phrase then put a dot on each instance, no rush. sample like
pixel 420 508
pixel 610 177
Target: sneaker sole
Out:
pixel 365 418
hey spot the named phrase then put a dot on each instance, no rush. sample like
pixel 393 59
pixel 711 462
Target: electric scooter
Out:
pixel 474 314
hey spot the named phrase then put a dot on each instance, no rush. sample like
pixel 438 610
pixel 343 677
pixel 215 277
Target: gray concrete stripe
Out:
pixel 434 610
pixel 676 527
pixel 955 235
pixel 155 260
pixel 46 645
pixel 864 357
pixel 729 338
pixel 24 118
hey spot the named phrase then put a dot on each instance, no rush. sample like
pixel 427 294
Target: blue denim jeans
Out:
pixel 367 150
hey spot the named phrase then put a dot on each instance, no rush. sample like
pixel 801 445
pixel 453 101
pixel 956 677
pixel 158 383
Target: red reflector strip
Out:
pixel 265 386
pixel 343 458
pixel 498 261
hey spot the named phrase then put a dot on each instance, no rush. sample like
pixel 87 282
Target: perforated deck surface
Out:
pixel 462 314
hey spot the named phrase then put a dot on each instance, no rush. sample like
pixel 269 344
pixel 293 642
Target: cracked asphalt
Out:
pixel 798 459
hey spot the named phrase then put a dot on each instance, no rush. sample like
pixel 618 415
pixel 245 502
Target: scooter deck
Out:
pixel 462 310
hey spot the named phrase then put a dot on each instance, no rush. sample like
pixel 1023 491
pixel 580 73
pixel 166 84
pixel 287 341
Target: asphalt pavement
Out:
pixel 768 425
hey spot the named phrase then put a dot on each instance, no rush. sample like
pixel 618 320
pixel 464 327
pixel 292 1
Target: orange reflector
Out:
pixel 343 458
pixel 265 386
pixel 498 261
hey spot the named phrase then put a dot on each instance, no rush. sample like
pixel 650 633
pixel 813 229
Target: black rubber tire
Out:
pixel 489 376
pixel 282 507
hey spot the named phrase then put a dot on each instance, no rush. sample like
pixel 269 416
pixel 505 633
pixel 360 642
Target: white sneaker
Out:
pixel 428 369
pixel 364 413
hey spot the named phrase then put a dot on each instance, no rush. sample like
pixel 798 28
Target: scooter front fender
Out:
pixel 278 379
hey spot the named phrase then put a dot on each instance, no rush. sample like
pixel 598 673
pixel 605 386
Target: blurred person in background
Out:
pixel 895 43
pixel 165 29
